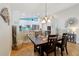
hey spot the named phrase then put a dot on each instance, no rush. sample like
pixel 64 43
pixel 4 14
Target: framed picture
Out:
pixel 5 15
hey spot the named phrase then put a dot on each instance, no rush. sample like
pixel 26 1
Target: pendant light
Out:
pixel 46 19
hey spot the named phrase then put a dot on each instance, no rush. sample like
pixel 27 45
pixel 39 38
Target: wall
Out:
pixel 15 22
pixel 5 36
pixel 62 17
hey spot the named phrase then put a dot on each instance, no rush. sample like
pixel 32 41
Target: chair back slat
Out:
pixel 52 39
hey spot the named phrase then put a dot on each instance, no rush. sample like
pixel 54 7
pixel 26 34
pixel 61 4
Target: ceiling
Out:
pixel 39 8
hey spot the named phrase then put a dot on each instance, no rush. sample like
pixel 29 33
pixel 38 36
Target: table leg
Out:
pixel 41 51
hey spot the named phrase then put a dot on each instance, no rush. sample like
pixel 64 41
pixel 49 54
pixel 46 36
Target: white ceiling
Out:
pixel 39 8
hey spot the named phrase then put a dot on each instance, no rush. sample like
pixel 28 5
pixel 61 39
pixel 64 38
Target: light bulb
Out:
pixel 43 21
pixel 48 21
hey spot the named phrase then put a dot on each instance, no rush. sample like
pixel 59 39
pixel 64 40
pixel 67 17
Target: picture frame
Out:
pixel 5 15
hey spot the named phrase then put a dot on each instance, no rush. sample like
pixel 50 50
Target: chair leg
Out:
pixel 66 50
pixel 62 51
pixel 55 52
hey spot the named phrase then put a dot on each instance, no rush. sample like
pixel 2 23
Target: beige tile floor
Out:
pixel 28 50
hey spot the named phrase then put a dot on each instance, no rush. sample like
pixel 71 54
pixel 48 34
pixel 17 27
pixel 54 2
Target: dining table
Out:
pixel 40 41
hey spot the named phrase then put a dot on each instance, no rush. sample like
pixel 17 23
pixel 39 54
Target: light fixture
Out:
pixel 74 29
pixel 49 20
pixel 43 21
pixel 46 18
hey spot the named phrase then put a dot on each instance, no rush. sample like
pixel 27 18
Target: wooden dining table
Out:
pixel 40 42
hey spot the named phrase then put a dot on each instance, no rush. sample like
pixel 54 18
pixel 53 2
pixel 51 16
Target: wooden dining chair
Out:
pixel 63 43
pixel 51 46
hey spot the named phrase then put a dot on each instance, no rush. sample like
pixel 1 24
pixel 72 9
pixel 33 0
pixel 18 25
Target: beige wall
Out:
pixel 5 38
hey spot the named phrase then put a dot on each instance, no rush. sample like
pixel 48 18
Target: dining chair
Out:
pixel 63 43
pixel 51 46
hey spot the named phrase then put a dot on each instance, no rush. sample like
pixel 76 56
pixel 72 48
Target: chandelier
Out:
pixel 46 18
